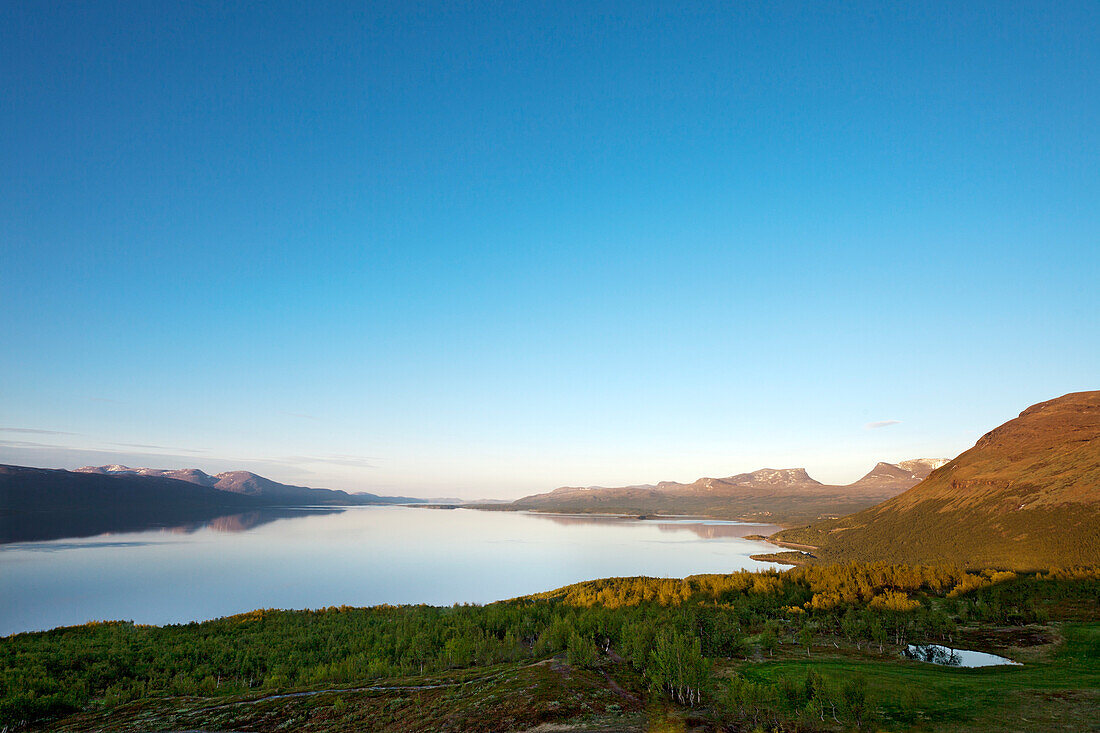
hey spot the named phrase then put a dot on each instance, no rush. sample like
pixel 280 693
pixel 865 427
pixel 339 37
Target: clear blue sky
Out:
pixel 487 249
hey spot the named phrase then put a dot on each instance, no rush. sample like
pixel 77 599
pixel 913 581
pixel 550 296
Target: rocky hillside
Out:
pixel 784 496
pixel 251 484
pixel 906 473
pixel 1026 496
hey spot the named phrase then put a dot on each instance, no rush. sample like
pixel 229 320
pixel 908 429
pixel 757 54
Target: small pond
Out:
pixel 949 657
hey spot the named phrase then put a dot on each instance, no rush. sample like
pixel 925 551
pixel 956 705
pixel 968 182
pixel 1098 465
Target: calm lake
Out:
pixel 358 556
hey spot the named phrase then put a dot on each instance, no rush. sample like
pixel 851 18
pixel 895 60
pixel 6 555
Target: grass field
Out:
pixel 1056 689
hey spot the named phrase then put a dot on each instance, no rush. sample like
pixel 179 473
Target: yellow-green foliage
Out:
pixel 894 601
pixel 829 586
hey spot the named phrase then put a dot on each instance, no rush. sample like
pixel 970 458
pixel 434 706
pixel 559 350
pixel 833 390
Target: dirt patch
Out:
pixel 1008 637
pixel 611 683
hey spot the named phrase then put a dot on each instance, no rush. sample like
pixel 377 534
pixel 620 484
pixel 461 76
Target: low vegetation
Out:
pixel 811 648
pixel 787 510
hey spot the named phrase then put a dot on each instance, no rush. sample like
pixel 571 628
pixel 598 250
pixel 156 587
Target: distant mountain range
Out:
pixel 41 503
pixel 250 484
pixel 784 496
pixel 1026 496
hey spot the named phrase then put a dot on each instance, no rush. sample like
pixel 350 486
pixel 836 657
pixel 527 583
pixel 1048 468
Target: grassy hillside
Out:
pixel 1026 496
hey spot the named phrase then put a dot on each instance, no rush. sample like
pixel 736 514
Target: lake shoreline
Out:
pixel 356 556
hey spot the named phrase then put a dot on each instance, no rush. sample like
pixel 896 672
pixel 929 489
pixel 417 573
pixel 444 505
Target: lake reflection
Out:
pixel 251 520
pixel 43 526
pixel 944 655
pixel 706 528
pixel 355 556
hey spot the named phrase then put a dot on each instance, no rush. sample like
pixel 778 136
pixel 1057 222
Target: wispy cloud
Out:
pixel 160 447
pixel 301 415
pixel 26 444
pixel 312 470
pixel 31 444
pixel 335 460
pixel 35 431
pixel 880 424
pixel 60 456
